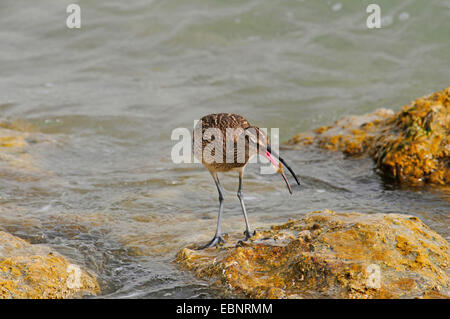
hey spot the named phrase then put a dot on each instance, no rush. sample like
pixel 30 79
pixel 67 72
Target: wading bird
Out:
pixel 231 155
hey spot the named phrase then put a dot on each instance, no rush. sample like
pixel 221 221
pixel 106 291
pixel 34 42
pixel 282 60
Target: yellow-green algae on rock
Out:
pixel 13 144
pixel 331 255
pixel 412 145
pixel 16 138
pixel 35 271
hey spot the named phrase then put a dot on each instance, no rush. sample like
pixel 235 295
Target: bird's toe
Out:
pixel 216 241
pixel 248 235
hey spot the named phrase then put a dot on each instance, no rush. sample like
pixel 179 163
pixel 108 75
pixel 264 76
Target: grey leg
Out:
pixel 241 199
pixel 217 239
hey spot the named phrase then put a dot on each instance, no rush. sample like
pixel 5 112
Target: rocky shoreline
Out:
pixel 324 254
pixel 33 270
pixel 330 255
pixel 412 145
pixel 350 255
pixel 36 271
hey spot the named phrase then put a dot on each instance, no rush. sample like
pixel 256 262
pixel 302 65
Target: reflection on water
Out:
pixel 103 101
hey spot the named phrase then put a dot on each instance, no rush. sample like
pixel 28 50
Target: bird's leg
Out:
pixel 241 199
pixel 217 239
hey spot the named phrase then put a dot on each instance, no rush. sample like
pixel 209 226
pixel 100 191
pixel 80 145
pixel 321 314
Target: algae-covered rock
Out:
pixel 35 271
pixel 328 254
pixel 13 145
pixel 16 139
pixel 412 145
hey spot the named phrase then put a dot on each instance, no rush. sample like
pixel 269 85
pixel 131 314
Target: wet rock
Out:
pixel 13 145
pixel 328 254
pixel 16 139
pixel 35 271
pixel 412 145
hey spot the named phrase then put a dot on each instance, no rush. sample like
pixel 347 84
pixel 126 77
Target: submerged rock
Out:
pixel 16 140
pixel 13 145
pixel 34 271
pixel 412 145
pixel 328 254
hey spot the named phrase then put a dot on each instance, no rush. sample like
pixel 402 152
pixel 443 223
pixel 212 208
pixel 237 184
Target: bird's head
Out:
pixel 256 139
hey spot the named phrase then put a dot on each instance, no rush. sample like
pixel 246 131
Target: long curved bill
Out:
pixel 284 163
pixel 279 167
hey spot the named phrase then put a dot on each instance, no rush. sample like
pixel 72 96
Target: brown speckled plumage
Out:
pixel 222 121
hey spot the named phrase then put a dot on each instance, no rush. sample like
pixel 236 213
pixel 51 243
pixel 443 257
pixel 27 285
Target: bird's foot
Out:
pixel 216 241
pixel 248 235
